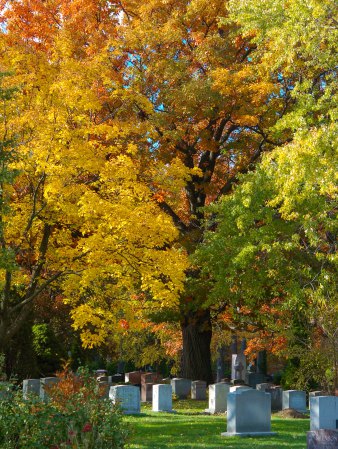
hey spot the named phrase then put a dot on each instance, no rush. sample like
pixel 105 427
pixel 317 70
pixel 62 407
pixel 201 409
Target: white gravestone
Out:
pixel 324 412
pixel 199 390
pixel 127 397
pixel 249 413
pixel 162 398
pixel 30 386
pixel 295 399
pixel 45 384
pixel 181 387
pixel 218 394
pixel 238 366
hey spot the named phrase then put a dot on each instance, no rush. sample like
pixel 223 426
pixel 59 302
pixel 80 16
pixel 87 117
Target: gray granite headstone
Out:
pixel 162 398
pixel 45 384
pixel 181 387
pixel 276 398
pixel 324 412
pixel 147 392
pixel 127 397
pixel 30 386
pixel 218 394
pixel 248 413
pixel 322 439
pixel 199 390
pixel 253 379
pixel 295 399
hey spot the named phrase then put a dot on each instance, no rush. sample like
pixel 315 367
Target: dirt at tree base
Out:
pixel 291 413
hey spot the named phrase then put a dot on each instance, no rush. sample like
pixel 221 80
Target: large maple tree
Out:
pixel 131 117
pixel 77 215
pixel 207 114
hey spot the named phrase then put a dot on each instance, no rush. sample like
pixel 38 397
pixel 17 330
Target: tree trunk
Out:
pixel 196 357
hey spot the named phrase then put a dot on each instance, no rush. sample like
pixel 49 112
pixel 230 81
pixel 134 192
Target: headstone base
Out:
pixel 248 434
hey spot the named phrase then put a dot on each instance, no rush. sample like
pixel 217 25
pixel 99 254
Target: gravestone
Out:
pixel 263 386
pixel 102 378
pixel 151 378
pixel 324 412
pixel 218 394
pixel 238 366
pixel 313 394
pixel 117 378
pixel 276 398
pixel 181 387
pixel 30 386
pixel 45 384
pixel 253 379
pixel 5 391
pixel 295 399
pixel 237 382
pixel 146 392
pixel 127 397
pixel 199 390
pixel 162 398
pixel 104 387
pixel 322 439
pixel 134 377
pixel 248 413
pixel 239 387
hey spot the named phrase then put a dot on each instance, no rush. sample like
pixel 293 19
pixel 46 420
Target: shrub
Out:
pixel 76 416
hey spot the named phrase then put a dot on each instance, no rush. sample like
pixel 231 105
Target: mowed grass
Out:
pixel 189 428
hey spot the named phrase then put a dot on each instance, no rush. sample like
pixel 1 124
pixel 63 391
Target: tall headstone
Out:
pixel 249 413
pixel 181 387
pixel 127 397
pixel 30 386
pixel 295 399
pixel 220 364
pixel 233 346
pixel 238 366
pixel 218 394
pixel 147 392
pixel 162 398
pixel 261 362
pixel 45 384
pixel 199 390
pixel 324 412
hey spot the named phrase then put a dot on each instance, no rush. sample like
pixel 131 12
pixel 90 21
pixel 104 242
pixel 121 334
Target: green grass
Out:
pixel 189 428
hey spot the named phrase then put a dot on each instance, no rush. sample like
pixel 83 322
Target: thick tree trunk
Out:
pixel 196 357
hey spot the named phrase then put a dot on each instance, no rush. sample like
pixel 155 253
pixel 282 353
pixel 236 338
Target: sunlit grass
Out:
pixel 189 428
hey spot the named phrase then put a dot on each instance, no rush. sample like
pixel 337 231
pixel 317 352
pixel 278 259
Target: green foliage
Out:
pixel 76 416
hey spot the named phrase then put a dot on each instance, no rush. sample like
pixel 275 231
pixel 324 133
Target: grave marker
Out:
pixel 162 398
pixel 248 413
pixel 127 397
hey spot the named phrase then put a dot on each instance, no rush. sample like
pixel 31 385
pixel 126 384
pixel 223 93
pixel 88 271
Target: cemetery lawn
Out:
pixel 190 429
